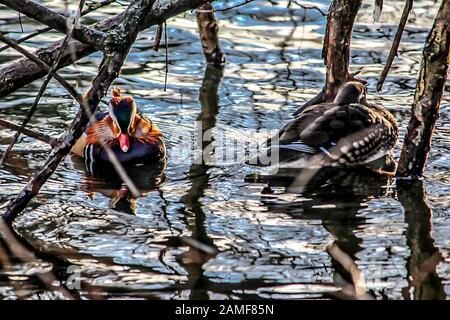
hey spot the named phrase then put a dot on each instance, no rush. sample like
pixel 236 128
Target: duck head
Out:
pixel 122 110
pixel 351 92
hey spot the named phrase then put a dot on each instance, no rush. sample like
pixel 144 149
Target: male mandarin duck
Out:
pixel 347 131
pixel 132 137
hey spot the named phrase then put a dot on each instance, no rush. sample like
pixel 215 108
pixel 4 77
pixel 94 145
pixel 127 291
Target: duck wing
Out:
pixel 344 133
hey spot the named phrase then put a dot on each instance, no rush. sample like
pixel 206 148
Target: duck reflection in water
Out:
pixel 104 179
pixel 334 196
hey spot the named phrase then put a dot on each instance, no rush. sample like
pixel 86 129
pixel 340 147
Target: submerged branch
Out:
pixel 208 28
pixel 429 90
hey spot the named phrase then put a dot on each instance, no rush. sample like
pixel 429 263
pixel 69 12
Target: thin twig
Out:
pixel 44 84
pixel 310 7
pixel 158 35
pixel 33 134
pixel 398 36
pixel 20 22
pixel 44 65
pixel 167 56
pixel 92 8
pixel 133 19
pixel 57 21
pixel 19 73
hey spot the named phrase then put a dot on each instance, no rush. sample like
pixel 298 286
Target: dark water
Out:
pixel 217 230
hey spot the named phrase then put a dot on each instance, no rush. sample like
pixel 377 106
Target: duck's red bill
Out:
pixel 124 141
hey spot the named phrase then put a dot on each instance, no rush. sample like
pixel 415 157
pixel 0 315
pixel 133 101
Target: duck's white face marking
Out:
pixel 132 117
pixel 111 114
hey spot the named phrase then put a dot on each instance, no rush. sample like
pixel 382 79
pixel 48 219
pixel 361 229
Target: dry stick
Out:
pixel 42 64
pixel 57 21
pixel 429 90
pixel 33 134
pixel 208 30
pixel 336 49
pixel 91 8
pixel 158 35
pixel 395 43
pixel 21 72
pixel 167 56
pixel 109 70
pixel 43 86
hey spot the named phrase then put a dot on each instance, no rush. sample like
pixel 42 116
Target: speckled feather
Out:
pixel 352 133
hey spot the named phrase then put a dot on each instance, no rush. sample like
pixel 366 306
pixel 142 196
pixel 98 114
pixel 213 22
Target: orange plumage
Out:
pixel 129 134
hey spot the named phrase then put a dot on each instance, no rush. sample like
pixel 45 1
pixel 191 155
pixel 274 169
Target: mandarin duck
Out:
pixel 132 137
pixel 345 132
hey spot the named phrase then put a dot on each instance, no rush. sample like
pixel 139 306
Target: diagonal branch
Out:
pixel 395 43
pixel 21 72
pixel 109 70
pixel 44 65
pixel 37 135
pixel 57 21
pixel 429 90
pixel 44 85
pixel 92 8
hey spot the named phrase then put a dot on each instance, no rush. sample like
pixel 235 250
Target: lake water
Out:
pixel 223 229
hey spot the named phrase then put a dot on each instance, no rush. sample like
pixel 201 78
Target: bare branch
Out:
pixel 336 49
pixel 109 70
pixel 395 43
pixel 429 90
pixel 44 65
pixel 37 135
pixel 21 72
pixel 208 29
pixel 44 85
pixel 57 21
pixel 378 7
pixel 91 8
pixel 158 35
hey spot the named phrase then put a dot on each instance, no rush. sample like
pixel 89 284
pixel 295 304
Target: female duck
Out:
pixel 347 131
pixel 131 137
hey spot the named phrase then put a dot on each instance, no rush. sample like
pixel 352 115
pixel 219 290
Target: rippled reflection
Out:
pixel 215 230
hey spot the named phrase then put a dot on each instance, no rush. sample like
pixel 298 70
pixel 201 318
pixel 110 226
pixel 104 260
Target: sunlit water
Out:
pixel 272 240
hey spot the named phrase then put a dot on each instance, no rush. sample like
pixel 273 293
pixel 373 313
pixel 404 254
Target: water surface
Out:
pixel 264 237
